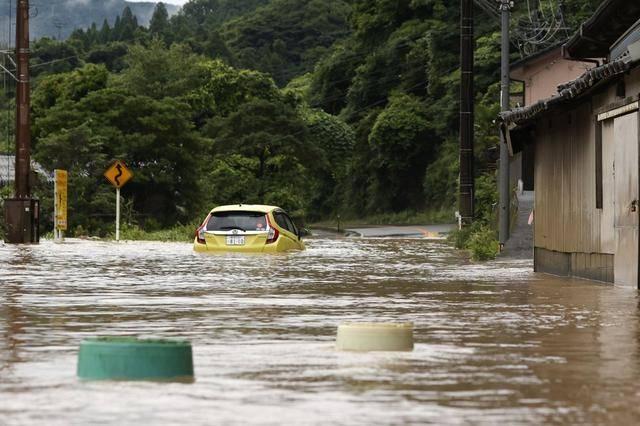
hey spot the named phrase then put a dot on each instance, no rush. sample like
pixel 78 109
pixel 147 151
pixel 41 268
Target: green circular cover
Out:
pixel 122 358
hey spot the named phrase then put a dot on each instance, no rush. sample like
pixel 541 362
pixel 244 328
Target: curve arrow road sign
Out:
pixel 118 174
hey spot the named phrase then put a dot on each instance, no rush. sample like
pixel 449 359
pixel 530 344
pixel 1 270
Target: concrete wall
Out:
pixel 590 266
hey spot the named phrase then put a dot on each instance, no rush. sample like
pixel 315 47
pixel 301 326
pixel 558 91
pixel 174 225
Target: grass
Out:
pixel 432 217
pixel 185 233
pixel 179 233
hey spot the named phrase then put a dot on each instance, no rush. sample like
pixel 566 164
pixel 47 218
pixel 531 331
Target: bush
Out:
pixel 487 199
pixel 483 244
pixel 460 237
pixel 179 233
pixel 5 192
pixel 479 239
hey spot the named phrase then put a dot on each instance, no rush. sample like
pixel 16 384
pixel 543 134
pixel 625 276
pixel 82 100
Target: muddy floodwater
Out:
pixel 495 343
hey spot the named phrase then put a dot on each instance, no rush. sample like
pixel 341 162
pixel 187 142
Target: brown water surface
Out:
pixel 495 343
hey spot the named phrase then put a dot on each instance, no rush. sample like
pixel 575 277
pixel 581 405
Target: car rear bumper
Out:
pixel 254 248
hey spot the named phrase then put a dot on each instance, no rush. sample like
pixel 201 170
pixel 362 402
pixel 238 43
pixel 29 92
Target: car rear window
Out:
pixel 244 221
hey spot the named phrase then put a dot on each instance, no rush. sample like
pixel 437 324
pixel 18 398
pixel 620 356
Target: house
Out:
pixel 538 76
pixel 585 138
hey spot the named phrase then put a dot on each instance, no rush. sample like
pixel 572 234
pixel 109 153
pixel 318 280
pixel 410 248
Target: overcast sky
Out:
pixel 180 2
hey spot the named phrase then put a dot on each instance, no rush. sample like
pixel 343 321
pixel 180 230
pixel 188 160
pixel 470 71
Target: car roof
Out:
pixel 245 208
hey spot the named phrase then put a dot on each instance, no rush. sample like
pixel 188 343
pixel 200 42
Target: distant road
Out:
pixel 420 231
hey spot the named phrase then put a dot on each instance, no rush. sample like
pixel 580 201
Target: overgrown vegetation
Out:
pixel 179 233
pixel 5 192
pixel 326 108
pixel 481 237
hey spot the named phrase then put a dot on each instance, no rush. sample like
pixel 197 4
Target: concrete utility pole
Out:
pixel 22 212
pixel 466 112
pixel 505 193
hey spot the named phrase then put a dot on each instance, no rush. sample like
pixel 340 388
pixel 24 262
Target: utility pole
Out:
pixel 505 193
pixel 22 212
pixel 59 24
pixel 466 202
pixel 23 130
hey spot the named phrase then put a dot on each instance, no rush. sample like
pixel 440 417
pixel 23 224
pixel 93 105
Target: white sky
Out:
pixel 179 2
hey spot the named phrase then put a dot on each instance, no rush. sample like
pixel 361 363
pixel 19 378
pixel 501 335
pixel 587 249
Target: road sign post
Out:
pixel 118 175
pixel 60 205
pixel 117 214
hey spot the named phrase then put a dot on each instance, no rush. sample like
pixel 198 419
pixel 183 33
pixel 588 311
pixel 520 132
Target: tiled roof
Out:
pixel 572 90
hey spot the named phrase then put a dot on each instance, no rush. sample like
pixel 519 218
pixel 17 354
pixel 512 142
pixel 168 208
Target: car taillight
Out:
pixel 200 235
pixel 273 234
pixel 200 230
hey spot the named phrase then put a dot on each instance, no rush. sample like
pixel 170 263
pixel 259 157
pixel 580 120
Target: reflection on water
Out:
pixel 494 343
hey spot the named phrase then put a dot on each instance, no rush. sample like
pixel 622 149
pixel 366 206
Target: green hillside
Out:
pixel 322 107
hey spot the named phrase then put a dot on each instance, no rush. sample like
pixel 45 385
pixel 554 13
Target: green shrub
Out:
pixel 483 244
pixel 487 199
pixel 460 237
pixel 5 192
pixel 179 233
pixel 479 239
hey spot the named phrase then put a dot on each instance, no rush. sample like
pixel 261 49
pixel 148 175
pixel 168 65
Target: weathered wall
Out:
pixel 591 266
pixel 569 228
pixel 566 219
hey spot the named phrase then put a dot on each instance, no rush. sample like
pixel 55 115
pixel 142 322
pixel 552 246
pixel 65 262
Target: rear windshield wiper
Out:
pixel 224 228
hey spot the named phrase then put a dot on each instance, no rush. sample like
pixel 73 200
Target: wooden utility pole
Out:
pixel 22 212
pixel 466 112
pixel 23 129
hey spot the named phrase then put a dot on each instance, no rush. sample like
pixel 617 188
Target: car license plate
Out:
pixel 235 240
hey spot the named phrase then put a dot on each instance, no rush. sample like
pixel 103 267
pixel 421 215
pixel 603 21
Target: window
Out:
pixel 284 221
pixel 291 225
pixel 281 221
pixel 241 220
pixel 598 164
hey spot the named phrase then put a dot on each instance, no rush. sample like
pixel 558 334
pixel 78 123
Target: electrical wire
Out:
pixel 539 29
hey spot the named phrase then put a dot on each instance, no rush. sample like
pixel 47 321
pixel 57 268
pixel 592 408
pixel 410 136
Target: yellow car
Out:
pixel 248 229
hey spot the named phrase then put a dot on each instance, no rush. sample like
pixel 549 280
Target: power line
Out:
pixel 538 29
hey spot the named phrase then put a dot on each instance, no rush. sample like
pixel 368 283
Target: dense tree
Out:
pixel 83 129
pixel 335 140
pixel 52 56
pixel 159 24
pixel 401 142
pixel 367 123
pixel 105 32
pixel 265 142
pixel 159 72
pixel 287 37
pixel 111 55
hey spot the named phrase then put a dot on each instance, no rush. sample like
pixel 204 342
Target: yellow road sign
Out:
pixel 61 199
pixel 118 174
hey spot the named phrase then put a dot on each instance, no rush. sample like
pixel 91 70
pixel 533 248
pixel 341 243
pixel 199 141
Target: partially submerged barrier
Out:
pixel 125 358
pixel 366 337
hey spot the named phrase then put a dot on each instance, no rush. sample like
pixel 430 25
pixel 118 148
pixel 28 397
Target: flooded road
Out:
pixel 494 342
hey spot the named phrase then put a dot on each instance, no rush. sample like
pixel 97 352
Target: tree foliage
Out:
pixel 367 122
pixel 287 37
